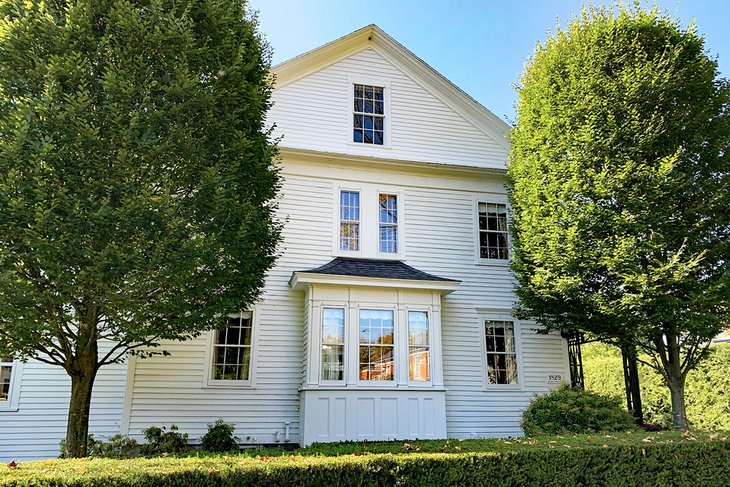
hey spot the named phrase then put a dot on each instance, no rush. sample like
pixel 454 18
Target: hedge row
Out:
pixel 699 463
pixel 707 390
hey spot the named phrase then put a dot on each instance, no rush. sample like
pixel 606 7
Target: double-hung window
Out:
pixel 333 344
pixel 388 223
pixel 350 220
pixel 501 352
pixel 232 349
pixel 7 369
pixel 493 241
pixel 368 122
pixel 419 352
pixel 377 351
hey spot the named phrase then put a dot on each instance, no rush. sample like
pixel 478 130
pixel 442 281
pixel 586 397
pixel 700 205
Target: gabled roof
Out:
pixel 372 36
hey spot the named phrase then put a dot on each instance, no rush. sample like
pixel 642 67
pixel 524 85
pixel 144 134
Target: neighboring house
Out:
pixel 388 314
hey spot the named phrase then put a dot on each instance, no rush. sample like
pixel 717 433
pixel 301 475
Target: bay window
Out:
pixel 419 354
pixel 333 344
pixel 377 359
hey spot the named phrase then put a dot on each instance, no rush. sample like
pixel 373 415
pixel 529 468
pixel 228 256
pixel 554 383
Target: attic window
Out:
pixel 368 114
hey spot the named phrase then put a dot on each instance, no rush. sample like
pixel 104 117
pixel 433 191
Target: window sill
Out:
pixel 493 262
pixel 228 385
pixel 370 387
pixel 503 388
pixel 8 409
pixel 361 144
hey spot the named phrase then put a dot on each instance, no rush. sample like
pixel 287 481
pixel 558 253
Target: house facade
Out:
pixel 388 313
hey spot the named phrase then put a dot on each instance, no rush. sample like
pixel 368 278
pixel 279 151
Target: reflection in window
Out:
pixel 388 223
pixel 493 231
pixel 418 347
pixel 6 374
pixel 368 115
pixel 232 349
pixel 376 345
pixel 349 220
pixel 333 343
pixel 501 352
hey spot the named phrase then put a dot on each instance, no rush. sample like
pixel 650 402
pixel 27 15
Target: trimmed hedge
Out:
pixel 707 390
pixel 686 463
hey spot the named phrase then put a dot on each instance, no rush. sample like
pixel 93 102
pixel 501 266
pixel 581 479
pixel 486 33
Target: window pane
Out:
pixel 418 328
pixel 378 137
pixel 357 135
pixel 419 364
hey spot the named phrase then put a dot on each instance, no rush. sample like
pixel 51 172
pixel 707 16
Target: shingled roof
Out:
pixel 381 269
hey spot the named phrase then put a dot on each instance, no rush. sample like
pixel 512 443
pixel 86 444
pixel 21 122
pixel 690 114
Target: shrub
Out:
pixel 160 440
pixel 219 437
pixel 117 446
pixel 571 410
pixel 707 397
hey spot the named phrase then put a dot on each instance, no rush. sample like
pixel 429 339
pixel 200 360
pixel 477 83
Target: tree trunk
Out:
pixel 82 369
pixel 78 414
pixel 679 414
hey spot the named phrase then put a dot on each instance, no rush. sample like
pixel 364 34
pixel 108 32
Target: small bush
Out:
pixel 219 437
pixel 160 440
pixel 567 410
pixel 117 446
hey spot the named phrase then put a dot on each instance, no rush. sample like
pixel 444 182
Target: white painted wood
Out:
pixel 314 112
pixel 35 428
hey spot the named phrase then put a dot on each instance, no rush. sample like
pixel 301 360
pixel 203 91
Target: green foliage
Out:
pixel 568 410
pixel 641 463
pixel 708 400
pixel 160 440
pixel 136 178
pixel 618 182
pixel 219 437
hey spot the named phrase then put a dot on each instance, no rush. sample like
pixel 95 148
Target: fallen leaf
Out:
pixel 13 465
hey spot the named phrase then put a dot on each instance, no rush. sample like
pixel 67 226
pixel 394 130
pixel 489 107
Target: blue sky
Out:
pixel 481 46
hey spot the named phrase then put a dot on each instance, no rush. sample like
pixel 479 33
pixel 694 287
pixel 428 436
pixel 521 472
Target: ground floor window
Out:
pixel 419 354
pixel 232 349
pixel 6 376
pixel 377 359
pixel 333 344
pixel 501 352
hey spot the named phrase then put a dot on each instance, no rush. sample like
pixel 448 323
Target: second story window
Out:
pixel 493 243
pixel 350 220
pixel 388 223
pixel 368 115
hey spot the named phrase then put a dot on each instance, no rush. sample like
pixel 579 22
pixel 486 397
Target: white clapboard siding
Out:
pixel 439 239
pixel 314 113
pixel 35 430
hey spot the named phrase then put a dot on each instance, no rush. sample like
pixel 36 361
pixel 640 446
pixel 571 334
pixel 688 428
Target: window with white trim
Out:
pixel 368 122
pixel 232 349
pixel 377 350
pixel 419 350
pixel 333 344
pixel 350 220
pixel 6 380
pixel 501 352
pixel 388 223
pixel 493 233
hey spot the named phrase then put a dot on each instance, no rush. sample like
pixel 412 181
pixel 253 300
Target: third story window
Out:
pixel 349 220
pixel 232 349
pixel 388 223
pixel 368 121
pixel 501 352
pixel 493 231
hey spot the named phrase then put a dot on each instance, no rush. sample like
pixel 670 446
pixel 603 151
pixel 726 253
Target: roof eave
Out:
pixel 300 281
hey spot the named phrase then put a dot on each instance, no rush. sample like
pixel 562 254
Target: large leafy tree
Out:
pixel 136 178
pixel 619 182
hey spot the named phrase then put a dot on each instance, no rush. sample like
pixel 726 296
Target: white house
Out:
pixel 388 314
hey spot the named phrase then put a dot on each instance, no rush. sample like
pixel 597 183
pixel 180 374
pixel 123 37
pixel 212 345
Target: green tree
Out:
pixel 619 182
pixel 136 178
